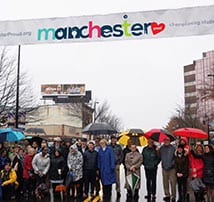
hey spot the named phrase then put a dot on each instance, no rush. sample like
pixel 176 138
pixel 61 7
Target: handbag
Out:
pixel 69 178
pixel 197 185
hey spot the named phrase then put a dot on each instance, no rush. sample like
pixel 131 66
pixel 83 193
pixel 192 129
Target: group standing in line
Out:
pixel 29 171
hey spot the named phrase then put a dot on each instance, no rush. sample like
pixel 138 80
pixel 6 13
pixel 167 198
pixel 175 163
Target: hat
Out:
pixel 84 139
pixel 57 139
pixel 181 146
pixel 113 137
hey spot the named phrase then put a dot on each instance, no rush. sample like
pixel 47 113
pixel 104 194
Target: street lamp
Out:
pixel 95 104
pixel 17 89
pixel 208 124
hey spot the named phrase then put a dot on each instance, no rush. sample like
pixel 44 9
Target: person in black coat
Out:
pixel 90 162
pixel 208 175
pixel 182 172
pixel 57 168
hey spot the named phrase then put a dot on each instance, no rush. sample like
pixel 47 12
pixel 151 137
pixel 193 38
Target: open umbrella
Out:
pixel 37 139
pixel 190 132
pixel 99 129
pixel 135 134
pixel 159 135
pixel 11 135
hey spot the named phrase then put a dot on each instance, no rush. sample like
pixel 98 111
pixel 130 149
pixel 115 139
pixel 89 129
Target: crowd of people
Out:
pixel 90 167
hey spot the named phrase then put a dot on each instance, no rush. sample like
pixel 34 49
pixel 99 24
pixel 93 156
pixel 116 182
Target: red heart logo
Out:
pixel 157 28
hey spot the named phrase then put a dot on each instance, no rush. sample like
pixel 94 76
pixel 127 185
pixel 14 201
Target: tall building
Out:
pixel 199 88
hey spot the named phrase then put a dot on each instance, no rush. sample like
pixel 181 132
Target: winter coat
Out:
pixel 27 166
pixel 196 165
pixel 133 159
pixel 10 178
pixel 75 163
pixel 118 153
pixel 182 164
pixel 150 158
pixel 208 175
pixel 167 156
pixel 126 150
pixel 41 164
pixel 90 160
pixel 57 162
pixel 106 165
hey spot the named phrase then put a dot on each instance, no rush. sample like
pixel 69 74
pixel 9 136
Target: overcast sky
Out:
pixel 142 80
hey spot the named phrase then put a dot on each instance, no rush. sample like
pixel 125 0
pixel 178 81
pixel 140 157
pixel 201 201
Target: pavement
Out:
pixel 142 191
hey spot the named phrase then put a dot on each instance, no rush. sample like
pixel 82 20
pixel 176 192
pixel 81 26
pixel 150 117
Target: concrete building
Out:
pixel 62 113
pixel 199 88
pixel 65 120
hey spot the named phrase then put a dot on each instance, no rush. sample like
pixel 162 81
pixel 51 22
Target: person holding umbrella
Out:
pixel 166 153
pixel 151 160
pixel 197 169
pixel 133 164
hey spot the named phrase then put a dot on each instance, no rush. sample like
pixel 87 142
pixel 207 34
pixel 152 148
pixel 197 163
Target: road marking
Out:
pixel 89 199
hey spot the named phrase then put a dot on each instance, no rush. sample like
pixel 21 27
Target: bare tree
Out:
pixel 184 118
pixel 8 86
pixel 103 114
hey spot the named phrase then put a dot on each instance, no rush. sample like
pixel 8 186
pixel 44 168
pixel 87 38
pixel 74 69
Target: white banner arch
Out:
pixel 120 26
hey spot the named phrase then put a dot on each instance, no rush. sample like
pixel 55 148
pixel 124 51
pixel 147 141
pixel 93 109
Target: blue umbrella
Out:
pixel 11 134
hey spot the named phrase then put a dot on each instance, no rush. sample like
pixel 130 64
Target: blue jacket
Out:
pixel 106 165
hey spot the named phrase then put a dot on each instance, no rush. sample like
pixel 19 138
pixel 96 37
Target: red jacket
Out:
pixel 196 166
pixel 27 166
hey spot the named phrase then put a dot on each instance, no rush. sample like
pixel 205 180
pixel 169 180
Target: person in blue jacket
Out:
pixel 106 165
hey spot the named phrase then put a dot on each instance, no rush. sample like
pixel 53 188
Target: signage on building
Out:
pixel 62 90
pixel 120 26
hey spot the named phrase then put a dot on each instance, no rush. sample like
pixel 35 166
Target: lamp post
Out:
pixel 212 94
pixel 17 89
pixel 95 104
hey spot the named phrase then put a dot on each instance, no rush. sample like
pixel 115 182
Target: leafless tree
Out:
pixel 8 87
pixel 185 118
pixel 104 114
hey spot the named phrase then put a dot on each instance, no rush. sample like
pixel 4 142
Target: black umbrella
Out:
pixel 99 129
pixel 37 139
pixel 35 130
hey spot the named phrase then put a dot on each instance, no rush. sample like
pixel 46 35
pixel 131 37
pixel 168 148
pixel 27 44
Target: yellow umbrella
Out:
pixel 136 135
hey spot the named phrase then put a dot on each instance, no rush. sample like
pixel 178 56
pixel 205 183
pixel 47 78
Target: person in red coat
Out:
pixel 28 174
pixel 197 168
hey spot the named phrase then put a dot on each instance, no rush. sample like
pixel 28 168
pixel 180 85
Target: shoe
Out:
pixel 118 194
pixel 166 198
pixel 147 196
pixel 153 197
pixel 97 193
pixel 85 196
pixel 173 199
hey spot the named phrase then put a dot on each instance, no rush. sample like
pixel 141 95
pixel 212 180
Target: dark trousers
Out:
pixel 8 191
pixel 89 179
pixel 107 189
pixel 130 197
pixel 97 183
pixel 29 186
pixel 151 175
pixel 77 187
pixel 182 187
pixel 199 196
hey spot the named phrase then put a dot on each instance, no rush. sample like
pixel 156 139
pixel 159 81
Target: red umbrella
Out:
pixel 190 132
pixel 159 135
